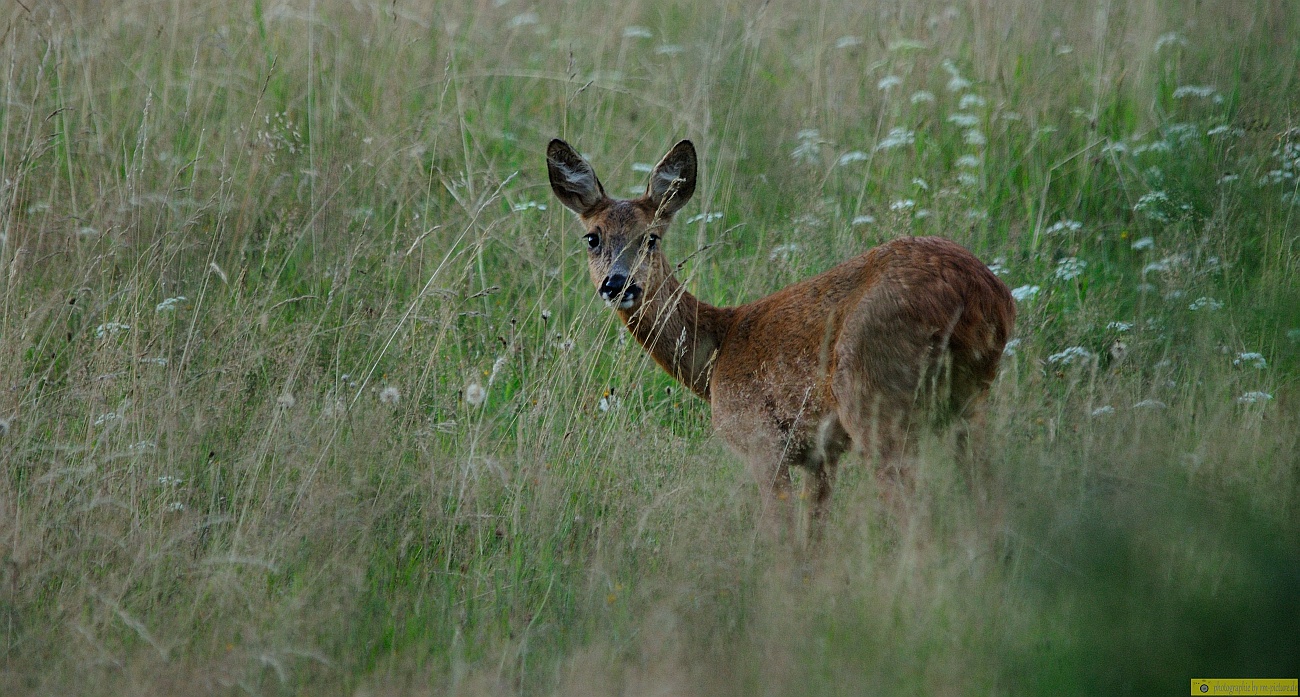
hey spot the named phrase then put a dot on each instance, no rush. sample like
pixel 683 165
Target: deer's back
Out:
pixel 865 329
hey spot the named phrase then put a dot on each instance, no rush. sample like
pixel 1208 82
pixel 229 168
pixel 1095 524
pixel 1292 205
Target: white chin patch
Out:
pixel 626 304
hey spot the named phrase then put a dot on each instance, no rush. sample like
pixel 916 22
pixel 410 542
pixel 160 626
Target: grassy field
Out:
pixel 304 388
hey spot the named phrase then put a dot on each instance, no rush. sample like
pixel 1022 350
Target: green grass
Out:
pixel 219 495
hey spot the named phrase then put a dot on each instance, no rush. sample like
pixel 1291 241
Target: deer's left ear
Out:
pixel 572 178
pixel 672 181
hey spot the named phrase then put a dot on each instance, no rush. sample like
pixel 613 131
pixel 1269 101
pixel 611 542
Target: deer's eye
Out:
pixel 653 243
pixel 593 240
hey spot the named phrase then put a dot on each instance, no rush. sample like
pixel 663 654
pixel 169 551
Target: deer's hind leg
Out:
pixel 974 463
pixel 881 362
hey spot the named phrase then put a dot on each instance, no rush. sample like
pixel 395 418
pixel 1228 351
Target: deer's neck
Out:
pixel 681 333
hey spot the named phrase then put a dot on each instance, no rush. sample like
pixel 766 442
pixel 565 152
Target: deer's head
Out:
pixel 622 235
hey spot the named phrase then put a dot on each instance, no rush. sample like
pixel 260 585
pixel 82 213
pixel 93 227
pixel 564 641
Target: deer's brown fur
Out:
pixel 905 336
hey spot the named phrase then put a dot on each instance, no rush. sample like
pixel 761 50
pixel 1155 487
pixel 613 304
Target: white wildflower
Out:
pixel 1274 176
pixel 1070 356
pixel 963 119
pixel 176 507
pixel 848 42
pixel 1151 404
pixel 220 274
pixel 637 32
pixel 546 315
pixel 1251 359
pixel 1198 91
pixel 897 137
pixel 608 401
pixel 475 395
pixel 971 101
pixel 1228 179
pixel 1158 146
pixel 1254 397
pixel 852 156
pixel 975 137
pixel 1119 326
pixel 1010 348
pixel 1064 226
pixel 566 345
pixel 642 167
pixel 1172 38
pixel 87 232
pixel 862 220
pixel 956 83
pixel 497 366
pixel 1070 268
pixel 969 161
pixel 1024 293
pixel 669 49
pixel 154 361
pixel 889 82
pixel 1103 411
pixel 4 427
pixel 784 252
pixel 1293 335
pixel 526 19
pixel 390 395
pixel 107 418
pixel 1154 205
pixel 1157 266
pixel 168 480
pixel 1225 130
pixel 110 328
pixel 906 204
pixel 169 304
pixel 1205 303
pixel 285 401
pixel 922 213
pixel 1142 243
pixel 705 217
pixel 968 179
pixel 921 183
pixel 808 221
pixel 809 150
pixel 528 205
pixel 922 96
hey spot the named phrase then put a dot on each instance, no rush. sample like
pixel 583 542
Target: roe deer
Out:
pixel 906 335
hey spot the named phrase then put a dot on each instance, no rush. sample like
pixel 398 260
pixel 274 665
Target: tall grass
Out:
pixel 303 389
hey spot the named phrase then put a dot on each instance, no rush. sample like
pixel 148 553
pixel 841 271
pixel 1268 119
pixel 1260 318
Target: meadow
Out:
pixel 304 388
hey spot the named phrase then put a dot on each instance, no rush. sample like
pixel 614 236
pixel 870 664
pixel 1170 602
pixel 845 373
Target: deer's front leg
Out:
pixel 772 475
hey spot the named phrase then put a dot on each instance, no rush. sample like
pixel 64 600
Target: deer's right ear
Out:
pixel 572 178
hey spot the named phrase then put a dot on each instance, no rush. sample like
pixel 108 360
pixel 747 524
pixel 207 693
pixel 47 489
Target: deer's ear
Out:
pixel 672 181
pixel 572 178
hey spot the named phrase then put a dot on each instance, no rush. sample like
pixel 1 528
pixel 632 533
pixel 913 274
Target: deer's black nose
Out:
pixel 613 285
pixel 617 288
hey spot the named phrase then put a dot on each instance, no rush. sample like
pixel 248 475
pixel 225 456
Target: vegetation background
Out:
pixel 304 390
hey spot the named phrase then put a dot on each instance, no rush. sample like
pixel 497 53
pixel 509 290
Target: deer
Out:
pixel 862 357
